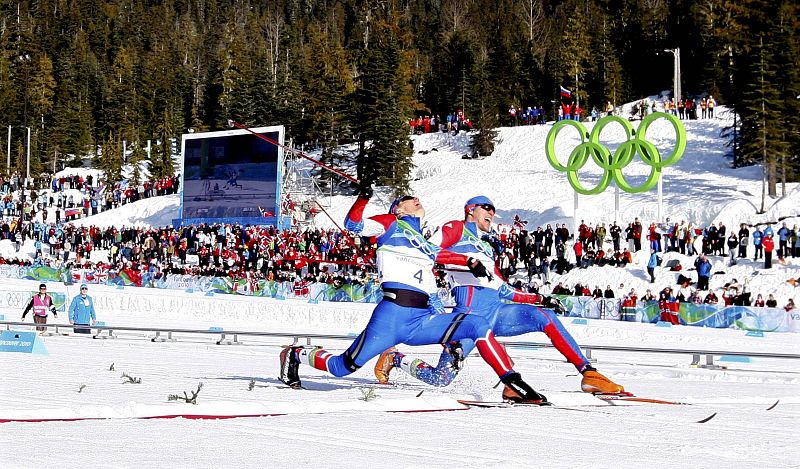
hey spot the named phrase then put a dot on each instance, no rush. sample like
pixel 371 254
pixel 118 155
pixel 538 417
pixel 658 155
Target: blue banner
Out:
pixel 689 314
pixel 21 342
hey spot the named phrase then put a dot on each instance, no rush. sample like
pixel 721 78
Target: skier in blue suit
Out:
pixel 411 311
pixel 487 297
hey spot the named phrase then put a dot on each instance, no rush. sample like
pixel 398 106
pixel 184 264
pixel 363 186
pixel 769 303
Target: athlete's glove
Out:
pixel 435 304
pixel 477 268
pixel 555 304
pixel 365 190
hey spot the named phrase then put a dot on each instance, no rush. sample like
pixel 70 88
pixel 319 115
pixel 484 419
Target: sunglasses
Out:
pixel 406 198
pixel 84 288
pixel 487 207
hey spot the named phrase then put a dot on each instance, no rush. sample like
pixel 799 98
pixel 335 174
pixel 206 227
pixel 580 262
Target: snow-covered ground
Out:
pixel 328 425
pixel 155 211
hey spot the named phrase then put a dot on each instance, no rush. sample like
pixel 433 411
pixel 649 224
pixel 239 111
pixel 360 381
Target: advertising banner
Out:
pixel 689 314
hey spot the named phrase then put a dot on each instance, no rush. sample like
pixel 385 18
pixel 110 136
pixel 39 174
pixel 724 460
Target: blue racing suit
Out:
pixel 405 261
pixel 485 298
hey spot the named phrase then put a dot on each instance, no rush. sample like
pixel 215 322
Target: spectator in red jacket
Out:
pixel 578 248
pixel 769 246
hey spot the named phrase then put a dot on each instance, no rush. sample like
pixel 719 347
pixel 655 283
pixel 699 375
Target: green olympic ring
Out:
pixel 612 164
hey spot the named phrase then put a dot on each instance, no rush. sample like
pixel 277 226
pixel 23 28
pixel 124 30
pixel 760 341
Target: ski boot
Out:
pixel 596 383
pixel 290 366
pixel 457 355
pixel 519 392
pixel 385 364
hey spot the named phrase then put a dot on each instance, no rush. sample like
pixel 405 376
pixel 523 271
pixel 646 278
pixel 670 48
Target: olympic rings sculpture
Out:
pixel 613 163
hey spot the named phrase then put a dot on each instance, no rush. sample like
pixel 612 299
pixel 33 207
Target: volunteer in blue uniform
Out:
pixel 81 311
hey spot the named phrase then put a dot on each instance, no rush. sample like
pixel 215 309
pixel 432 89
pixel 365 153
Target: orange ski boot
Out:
pixel 385 364
pixel 595 382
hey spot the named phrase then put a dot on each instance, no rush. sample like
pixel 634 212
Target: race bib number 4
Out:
pixel 413 271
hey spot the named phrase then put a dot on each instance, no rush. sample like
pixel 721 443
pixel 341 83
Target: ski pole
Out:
pixel 233 123
pixel 350 178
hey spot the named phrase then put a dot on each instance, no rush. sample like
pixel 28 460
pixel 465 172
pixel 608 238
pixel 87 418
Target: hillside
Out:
pixel 701 188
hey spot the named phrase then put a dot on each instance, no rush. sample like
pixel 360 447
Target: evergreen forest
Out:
pixel 84 75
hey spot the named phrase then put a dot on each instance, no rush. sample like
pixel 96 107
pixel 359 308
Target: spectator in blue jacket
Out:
pixel 757 236
pixel 783 241
pixel 703 267
pixel 652 263
pixel 768 231
pixel 81 311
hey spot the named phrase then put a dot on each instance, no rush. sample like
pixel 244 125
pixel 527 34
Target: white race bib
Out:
pixel 407 266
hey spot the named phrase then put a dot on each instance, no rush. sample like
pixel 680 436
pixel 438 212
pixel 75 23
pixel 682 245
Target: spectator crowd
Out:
pixel 222 250
pixel 454 122
pixel 547 250
pixel 529 257
pixel 68 197
pixel 688 108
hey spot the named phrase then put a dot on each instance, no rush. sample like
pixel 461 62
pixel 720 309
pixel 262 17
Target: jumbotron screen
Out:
pixel 232 174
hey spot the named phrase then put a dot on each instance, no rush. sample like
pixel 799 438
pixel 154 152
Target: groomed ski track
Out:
pixel 344 435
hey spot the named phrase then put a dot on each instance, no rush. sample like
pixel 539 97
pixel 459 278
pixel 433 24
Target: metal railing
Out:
pixel 308 336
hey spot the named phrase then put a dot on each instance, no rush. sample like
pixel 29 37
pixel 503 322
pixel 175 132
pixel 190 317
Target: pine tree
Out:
pixel 122 95
pixel 328 83
pixel 42 91
pixel 570 55
pixel 499 87
pixel 137 156
pixel 161 163
pixel 448 88
pixel 42 86
pixel 787 63
pixel 606 77
pixel 110 160
pixel 760 132
pixel 711 25
pixel 390 152
pixel 71 126
pixel 237 99
pixel 380 118
pixel 485 104
pixel 19 160
pixel 762 85
pixel 289 94
pixel 7 88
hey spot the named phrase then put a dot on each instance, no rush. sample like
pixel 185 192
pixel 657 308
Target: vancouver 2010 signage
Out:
pixel 613 163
